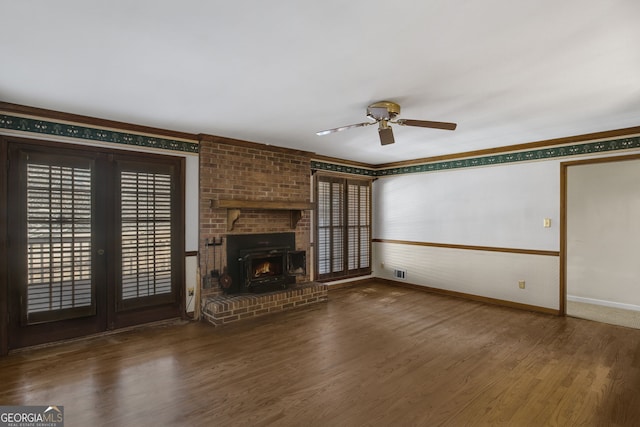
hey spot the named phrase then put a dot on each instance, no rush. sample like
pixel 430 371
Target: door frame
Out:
pixel 564 188
pixel 104 321
pixel 4 281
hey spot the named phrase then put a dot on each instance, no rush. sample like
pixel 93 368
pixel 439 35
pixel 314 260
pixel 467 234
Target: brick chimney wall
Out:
pixel 233 169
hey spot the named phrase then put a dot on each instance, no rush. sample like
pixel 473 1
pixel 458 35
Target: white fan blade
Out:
pixel 328 131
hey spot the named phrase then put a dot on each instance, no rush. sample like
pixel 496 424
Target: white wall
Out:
pixel 482 273
pixel 191 281
pixel 603 233
pixel 499 207
pixel 191 232
pixel 502 206
pixel 192 183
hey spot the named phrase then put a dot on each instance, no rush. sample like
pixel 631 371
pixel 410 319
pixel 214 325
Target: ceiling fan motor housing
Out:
pixel 383 110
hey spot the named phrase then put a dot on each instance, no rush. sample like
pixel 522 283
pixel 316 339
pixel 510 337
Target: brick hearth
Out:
pixel 222 309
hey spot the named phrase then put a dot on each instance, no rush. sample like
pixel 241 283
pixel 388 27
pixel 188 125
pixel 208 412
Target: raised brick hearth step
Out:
pixel 222 309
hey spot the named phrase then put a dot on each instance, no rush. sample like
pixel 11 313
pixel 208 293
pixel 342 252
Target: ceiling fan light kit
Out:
pixel 385 112
pixel 386 135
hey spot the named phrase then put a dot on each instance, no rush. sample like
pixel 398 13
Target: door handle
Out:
pixel 100 251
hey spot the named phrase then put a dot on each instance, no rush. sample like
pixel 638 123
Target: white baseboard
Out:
pixel 603 303
pixel 353 279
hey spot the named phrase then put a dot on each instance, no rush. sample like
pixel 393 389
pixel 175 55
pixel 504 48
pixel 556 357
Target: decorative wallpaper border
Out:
pixel 92 134
pixel 332 167
pixel 521 156
pixel 25 124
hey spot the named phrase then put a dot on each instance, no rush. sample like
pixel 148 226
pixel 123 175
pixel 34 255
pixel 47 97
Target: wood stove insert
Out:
pixel 264 262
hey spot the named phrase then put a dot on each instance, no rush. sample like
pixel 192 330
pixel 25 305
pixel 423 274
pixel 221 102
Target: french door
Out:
pixel 95 239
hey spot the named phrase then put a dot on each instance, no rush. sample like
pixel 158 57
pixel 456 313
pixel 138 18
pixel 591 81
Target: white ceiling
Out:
pixel 277 71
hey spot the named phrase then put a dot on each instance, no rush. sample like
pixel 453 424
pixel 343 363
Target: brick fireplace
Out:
pixel 246 189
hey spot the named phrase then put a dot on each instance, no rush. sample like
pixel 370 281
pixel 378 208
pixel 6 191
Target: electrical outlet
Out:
pixel 521 284
pixel 190 292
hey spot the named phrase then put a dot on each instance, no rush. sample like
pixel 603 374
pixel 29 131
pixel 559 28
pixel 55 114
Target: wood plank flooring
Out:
pixel 374 355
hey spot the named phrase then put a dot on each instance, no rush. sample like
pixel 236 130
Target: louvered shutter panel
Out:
pixel 59 282
pixel 343 227
pixel 146 234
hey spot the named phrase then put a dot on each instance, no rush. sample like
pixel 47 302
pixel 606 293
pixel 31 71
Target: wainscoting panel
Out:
pixel 481 273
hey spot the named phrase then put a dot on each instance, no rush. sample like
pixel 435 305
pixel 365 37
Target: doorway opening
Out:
pixel 601 239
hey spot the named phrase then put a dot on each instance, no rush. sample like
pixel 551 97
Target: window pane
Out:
pixel 343 226
pixel 337 204
pixel 58 238
pixel 324 204
pixel 146 234
pixel 337 255
pixel 365 237
pixel 324 254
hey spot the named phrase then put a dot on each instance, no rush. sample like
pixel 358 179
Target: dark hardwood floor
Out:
pixel 373 355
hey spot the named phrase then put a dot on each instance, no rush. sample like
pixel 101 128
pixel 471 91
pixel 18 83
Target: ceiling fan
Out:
pixel 384 113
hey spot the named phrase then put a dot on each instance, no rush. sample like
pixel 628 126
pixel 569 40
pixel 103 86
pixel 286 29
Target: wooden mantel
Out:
pixel 234 207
